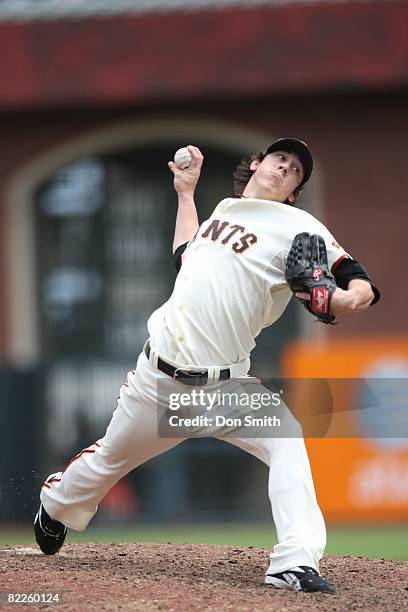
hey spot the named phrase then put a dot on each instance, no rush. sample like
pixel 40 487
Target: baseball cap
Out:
pixel 300 148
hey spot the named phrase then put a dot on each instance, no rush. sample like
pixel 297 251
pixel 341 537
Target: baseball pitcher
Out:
pixel 237 272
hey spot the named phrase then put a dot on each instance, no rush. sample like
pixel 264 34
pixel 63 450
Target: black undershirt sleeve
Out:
pixel 347 270
pixel 177 255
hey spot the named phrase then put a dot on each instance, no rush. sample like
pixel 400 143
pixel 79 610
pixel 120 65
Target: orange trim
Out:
pixel 336 263
pixel 86 450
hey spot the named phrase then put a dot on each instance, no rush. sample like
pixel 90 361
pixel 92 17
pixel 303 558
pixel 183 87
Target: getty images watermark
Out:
pixel 242 408
pixel 221 400
pixel 372 408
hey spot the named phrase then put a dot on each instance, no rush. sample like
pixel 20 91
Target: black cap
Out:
pixel 300 148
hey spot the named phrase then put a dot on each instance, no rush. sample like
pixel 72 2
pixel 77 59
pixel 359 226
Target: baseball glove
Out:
pixel 307 271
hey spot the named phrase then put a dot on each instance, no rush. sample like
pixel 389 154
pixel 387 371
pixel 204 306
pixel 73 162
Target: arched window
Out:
pixel 104 233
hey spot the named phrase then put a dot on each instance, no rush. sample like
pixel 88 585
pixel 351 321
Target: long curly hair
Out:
pixel 243 173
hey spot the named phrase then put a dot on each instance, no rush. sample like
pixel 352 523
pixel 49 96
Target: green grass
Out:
pixel 388 542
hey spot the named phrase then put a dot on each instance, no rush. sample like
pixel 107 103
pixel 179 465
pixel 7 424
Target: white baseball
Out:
pixel 182 158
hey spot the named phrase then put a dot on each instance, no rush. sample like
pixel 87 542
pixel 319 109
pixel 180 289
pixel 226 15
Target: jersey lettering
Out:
pixel 246 241
pixel 216 228
pixel 234 231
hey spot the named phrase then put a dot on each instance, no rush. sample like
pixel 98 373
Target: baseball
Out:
pixel 182 158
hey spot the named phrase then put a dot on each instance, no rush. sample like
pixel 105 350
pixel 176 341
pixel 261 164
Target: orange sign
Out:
pixel 362 475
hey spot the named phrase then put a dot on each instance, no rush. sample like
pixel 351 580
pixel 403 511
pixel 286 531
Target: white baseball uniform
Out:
pixel 230 286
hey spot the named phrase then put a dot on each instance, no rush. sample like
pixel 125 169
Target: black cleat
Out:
pixel 302 578
pixel 50 534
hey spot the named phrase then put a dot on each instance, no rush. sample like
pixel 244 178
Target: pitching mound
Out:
pixel 192 577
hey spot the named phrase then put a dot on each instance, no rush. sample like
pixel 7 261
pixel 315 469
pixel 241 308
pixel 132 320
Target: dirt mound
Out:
pixel 192 577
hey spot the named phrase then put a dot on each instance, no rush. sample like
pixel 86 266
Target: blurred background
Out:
pixel 95 97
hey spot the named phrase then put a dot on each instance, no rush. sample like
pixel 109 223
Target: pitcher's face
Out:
pixel 276 177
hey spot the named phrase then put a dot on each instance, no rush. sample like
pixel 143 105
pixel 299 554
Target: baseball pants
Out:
pixel 132 438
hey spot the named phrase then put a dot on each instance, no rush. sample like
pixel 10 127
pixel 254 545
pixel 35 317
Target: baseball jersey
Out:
pixel 232 282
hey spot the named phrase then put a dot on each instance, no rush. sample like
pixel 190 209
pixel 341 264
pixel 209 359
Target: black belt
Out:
pixel 187 377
